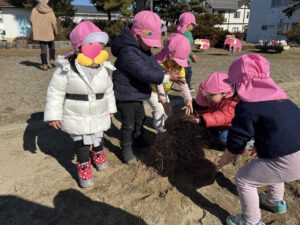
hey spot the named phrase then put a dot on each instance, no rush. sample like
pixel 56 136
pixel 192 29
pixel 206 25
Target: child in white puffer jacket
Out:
pixel 80 97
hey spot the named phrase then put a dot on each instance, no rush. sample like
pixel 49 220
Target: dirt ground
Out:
pixel 38 178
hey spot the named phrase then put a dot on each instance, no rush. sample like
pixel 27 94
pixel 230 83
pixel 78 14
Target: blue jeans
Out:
pixel 220 136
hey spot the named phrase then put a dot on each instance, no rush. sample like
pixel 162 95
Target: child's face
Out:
pixel 190 27
pixel 143 45
pixel 214 99
pixel 173 65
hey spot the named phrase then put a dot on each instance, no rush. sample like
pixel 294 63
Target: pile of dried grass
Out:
pixel 180 149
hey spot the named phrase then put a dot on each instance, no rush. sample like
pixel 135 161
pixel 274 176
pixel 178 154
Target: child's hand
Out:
pixel 195 59
pixel 188 107
pixel 251 151
pixel 168 108
pixel 56 124
pixel 192 119
pixel 162 100
pixel 111 115
pixel 226 158
pixel 176 76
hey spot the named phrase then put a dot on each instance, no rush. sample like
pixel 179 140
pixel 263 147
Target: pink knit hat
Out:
pixel 184 20
pixel 177 48
pixel 251 74
pixel 147 24
pixel 87 32
pixel 214 84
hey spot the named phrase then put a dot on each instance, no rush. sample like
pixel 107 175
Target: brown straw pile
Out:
pixel 180 149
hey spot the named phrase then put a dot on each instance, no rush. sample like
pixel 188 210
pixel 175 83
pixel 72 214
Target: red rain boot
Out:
pixel 85 175
pixel 99 160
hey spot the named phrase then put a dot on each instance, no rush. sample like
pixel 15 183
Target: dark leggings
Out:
pixel 43 47
pixel 83 151
pixel 132 118
pixel 188 76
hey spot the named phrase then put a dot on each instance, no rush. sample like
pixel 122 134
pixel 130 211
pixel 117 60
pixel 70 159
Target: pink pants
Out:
pixel 265 172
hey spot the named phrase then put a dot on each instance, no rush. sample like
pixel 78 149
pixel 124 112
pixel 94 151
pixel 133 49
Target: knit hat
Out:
pixel 177 48
pixel 251 74
pixel 87 32
pixel 147 24
pixel 184 20
pixel 214 84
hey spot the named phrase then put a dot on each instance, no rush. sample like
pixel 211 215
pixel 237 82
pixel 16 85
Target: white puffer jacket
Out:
pixel 80 117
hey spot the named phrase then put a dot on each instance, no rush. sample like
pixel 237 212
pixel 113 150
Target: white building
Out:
pixel 14 22
pixel 235 12
pixel 91 13
pixel 267 20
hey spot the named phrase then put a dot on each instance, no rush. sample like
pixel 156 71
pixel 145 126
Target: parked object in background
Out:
pixel 272 45
pixel 2 35
pixel 233 44
pixel 202 44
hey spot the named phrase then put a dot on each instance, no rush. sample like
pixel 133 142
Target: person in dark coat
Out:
pixel 136 69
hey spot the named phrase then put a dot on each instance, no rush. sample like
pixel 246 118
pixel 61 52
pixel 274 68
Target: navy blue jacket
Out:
pixel 136 69
pixel 275 126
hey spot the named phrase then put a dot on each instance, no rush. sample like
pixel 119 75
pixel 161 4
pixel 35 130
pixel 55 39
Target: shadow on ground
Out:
pixel 31 64
pixel 70 207
pixel 55 143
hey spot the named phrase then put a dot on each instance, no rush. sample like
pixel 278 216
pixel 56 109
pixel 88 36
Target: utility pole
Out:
pixel 151 5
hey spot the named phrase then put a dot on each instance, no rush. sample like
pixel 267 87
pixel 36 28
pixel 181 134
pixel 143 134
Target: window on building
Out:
pixel 235 29
pixel 236 14
pixel 247 15
pixel 264 27
pixel 279 3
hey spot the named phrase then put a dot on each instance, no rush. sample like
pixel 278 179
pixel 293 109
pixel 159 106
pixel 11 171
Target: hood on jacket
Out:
pixel 125 39
pixel 43 8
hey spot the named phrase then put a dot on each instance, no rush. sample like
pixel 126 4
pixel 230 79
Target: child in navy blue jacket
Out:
pixel 266 114
pixel 136 69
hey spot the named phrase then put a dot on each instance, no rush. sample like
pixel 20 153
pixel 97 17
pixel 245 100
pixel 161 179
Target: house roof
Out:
pixel 5 4
pixel 226 4
pixel 289 11
pixel 84 9
pixel 223 4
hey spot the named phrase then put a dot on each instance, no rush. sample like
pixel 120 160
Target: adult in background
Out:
pixel 44 27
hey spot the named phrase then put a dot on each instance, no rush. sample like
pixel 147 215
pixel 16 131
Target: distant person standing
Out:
pixel 44 27
pixel 187 22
